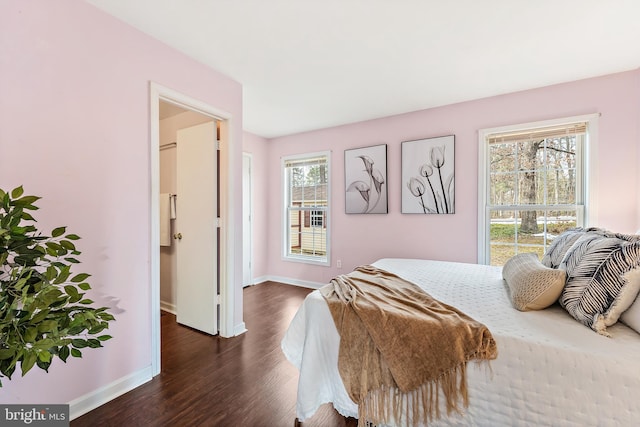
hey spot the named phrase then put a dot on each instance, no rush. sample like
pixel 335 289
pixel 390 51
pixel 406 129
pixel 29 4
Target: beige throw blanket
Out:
pixel 399 347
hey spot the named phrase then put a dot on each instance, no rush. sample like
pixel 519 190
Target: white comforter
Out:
pixel 550 371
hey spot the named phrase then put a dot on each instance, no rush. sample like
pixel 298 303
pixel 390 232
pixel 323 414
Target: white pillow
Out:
pixel 631 317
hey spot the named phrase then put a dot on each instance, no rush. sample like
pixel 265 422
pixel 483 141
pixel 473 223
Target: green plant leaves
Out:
pixel 67 245
pixel 48 326
pixel 30 334
pixel 17 192
pixel 63 353
pixel 44 312
pixel 72 292
pixel 44 356
pixel 6 353
pixel 63 275
pixel 80 277
pixel 57 232
pixel 78 343
pixel 28 360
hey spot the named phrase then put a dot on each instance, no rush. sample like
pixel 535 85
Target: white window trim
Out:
pixel 590 169
pixel 284 215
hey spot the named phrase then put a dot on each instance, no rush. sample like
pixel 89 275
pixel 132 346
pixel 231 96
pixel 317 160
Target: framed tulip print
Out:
pixel 428 170
pixel 365 173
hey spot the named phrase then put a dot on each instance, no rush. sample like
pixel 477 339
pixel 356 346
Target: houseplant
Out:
pixel 43 309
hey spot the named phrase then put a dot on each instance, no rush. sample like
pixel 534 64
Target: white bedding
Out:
pixel 550 371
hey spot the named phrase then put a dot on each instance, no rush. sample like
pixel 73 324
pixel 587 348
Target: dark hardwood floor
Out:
pixel 213 381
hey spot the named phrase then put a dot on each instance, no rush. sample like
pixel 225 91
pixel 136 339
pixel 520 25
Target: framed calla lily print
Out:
pixel 365 172
pixel 428 170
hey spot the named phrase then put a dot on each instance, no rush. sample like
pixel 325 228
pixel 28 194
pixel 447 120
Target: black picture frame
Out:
pixel 365 172
pixel 428 175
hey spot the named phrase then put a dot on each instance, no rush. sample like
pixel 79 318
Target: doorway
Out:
pixel 158 95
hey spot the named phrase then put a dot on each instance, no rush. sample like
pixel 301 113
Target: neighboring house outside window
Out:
pixel 306 208
pixel 534 184
pixel 316 219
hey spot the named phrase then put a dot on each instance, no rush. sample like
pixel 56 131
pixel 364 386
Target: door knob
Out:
pixel 177 236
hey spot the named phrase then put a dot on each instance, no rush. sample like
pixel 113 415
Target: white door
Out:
pixel 195 233
pixel 246 220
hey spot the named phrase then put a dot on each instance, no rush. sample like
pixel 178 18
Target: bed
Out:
pixel 551 369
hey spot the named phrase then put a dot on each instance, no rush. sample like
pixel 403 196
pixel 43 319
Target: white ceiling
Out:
pixel 307 64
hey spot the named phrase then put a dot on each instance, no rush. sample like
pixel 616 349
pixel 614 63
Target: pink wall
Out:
pixel 74 112
pixel 74 128
pixel 262 193
pixel 359 239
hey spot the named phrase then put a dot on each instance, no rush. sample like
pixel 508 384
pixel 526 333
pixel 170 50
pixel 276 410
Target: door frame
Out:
pixel 247 235
pixel 159 93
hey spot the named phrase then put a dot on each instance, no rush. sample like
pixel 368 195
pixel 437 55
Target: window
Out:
pixel 316 219
pixel 534 184
pixel 306 206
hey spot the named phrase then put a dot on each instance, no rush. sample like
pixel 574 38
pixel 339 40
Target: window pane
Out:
pixel 295 232
pixel 529 155
pixel 512 232
pixel 557 222
pixel 314 241
pixel 502 157
pixel 503 188
pixel 529 165
pixel 305 237
pixel 561 170
pixel 501 253
pixel 528 184
pixel 502 231
pixel 561 186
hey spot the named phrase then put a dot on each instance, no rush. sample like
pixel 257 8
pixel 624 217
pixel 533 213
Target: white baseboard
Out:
pixel 239 329
pixel 258 280
pixel 92 400
pixel 168 307
pixel 287 281
pixel 295 282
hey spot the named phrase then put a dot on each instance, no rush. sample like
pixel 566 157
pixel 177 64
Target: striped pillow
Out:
pixel 558 248
pixel 597 291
